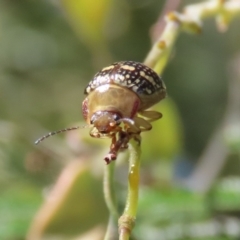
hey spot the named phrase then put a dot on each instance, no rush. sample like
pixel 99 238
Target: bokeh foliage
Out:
pixel 48 53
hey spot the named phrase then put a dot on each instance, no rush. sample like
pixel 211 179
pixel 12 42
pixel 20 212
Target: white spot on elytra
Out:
pixel 142 73
pixel 135 88
pixel 148 91
pixel 107 68
pixel 121 77
pixel 127 67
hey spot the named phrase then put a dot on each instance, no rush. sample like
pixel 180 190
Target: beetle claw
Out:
pixel 110 157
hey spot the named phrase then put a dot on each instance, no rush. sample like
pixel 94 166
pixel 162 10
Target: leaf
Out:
pixel 88 18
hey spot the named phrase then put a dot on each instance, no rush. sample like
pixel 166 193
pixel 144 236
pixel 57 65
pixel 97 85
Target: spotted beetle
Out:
pixel 116 104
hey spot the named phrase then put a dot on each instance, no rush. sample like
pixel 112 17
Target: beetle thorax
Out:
pixel 112 99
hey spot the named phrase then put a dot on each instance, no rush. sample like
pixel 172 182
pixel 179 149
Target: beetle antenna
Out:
pixel 59 131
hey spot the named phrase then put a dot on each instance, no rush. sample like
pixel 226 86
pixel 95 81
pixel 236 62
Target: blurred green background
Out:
pixel 49 51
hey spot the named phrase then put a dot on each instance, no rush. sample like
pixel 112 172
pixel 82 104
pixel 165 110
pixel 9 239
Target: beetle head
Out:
pixel 105 121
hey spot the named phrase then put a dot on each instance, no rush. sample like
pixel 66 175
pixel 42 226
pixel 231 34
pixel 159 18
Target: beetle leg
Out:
pixel 95 133
pixel 138 138
pixel 143 124
pixel 130 126
pixel 116 145
pixel 133 129
pixel 151 115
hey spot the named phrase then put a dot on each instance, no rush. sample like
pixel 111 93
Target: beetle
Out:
pixel 116 103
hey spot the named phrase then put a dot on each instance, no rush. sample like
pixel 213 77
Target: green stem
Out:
pixel 127 220
pixel 112 231
pixel 109 195
pixel 159 55
pixel 108 189
pixel 189 20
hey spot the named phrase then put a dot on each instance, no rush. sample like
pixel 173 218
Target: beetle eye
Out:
pixel 93 119
pixel 116 118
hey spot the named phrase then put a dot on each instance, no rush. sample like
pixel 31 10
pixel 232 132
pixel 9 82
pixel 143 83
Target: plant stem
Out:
pixel 112 231
pixel 190 20
pixel 109 195
pixel 127 220
pixel 159 55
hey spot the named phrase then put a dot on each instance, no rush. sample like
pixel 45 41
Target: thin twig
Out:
pixel 158 27
pixel 110 199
